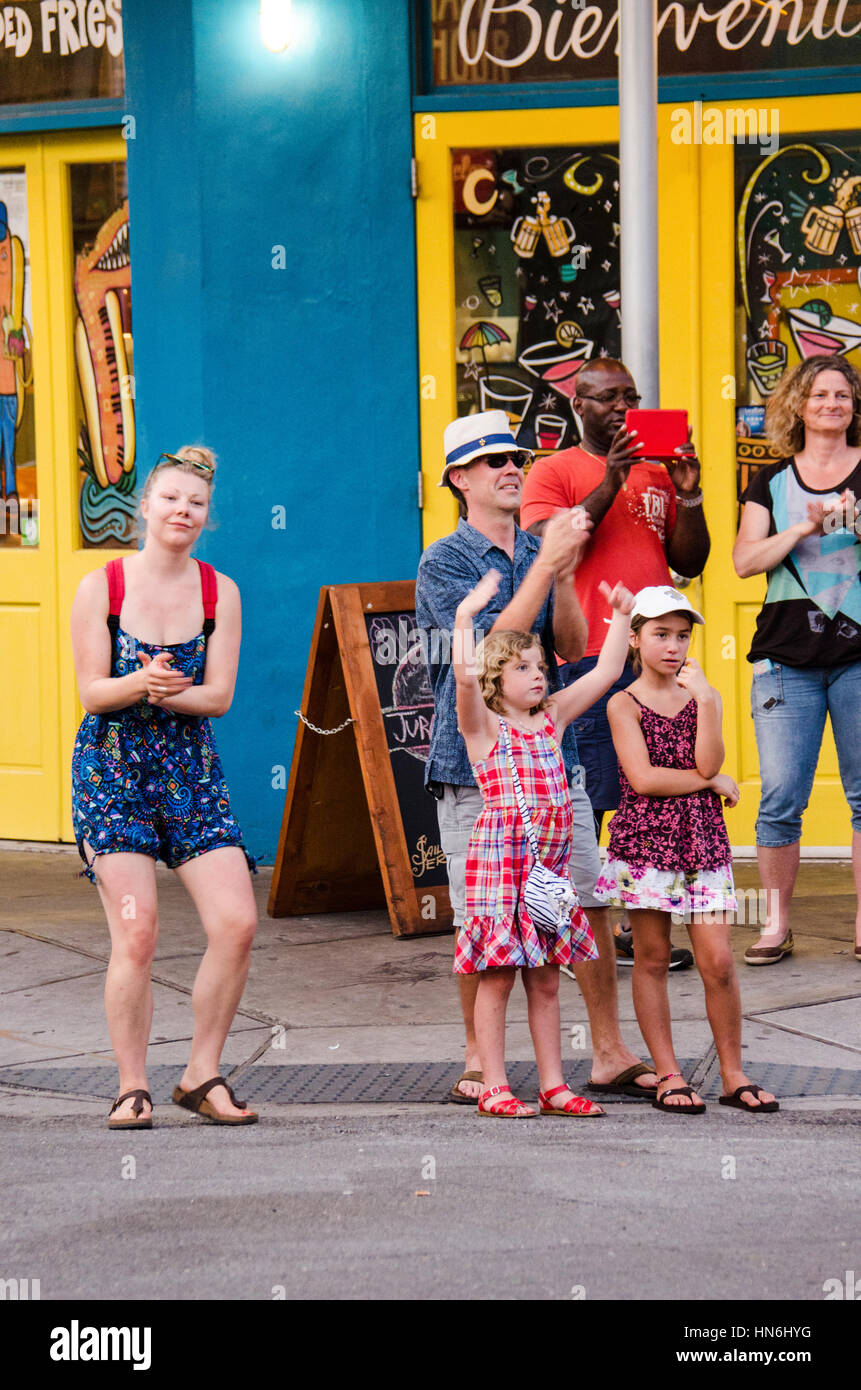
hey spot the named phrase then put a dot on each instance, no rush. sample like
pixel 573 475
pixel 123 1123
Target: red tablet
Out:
pixel 660 432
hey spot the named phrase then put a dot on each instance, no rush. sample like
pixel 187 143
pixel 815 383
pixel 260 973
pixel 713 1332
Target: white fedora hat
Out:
pixel 472 436
pixel 658 599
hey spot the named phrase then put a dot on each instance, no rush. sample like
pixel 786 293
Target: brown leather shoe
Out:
pixel 769 955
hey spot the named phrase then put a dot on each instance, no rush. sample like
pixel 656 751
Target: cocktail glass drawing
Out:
pixel 508 394
pixel 557 365
pixel 766 362
pixel 549 431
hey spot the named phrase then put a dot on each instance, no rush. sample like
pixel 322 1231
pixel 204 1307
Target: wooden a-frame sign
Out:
pixel 343 845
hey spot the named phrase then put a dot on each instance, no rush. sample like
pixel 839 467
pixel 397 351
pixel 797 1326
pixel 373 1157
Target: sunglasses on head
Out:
pixel 197 464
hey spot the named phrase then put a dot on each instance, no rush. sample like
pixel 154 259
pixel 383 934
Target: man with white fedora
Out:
pixel 484 469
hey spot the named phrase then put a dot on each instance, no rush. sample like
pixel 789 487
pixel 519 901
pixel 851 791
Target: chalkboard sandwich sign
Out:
pixel 359 830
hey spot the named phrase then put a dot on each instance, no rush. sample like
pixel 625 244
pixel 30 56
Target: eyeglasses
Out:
pixel 605 397
pixel 500 460
pixel 197 464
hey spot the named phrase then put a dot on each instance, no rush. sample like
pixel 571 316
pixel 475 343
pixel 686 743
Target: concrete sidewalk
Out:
pixel 336 990
pixel 403 1197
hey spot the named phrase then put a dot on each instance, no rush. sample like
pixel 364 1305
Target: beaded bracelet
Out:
pixel 695 501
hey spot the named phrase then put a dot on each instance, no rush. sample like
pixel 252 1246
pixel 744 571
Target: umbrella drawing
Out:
pixel 483 335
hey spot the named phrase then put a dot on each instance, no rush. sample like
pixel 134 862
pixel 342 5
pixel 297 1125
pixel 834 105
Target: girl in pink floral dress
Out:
pixel 669 852
pixel 502 698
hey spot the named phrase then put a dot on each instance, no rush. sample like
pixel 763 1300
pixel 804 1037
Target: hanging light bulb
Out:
pixel 276 24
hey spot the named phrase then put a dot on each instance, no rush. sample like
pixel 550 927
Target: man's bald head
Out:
pixel 593 375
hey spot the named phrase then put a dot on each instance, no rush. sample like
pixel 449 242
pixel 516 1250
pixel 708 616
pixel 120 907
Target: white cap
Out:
pixel 472 436
pixel 658 599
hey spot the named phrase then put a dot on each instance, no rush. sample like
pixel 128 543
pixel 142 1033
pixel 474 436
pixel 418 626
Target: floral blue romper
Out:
pixel 146 780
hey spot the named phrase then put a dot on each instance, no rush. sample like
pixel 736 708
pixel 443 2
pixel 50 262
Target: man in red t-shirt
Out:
pixel 647 517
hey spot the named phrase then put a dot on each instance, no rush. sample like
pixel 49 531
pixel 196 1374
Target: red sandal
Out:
pixel 503 1109
pixel 578 1106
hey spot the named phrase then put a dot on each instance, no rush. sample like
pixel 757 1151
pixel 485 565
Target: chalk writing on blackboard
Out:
pixel 406 703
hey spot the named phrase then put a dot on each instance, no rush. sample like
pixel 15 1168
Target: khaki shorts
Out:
pixel 459 810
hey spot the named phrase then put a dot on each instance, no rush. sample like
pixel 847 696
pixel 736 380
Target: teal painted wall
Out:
pixel 302 379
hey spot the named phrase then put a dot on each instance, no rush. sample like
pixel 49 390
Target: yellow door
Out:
pixel 716 176
pixel 56 196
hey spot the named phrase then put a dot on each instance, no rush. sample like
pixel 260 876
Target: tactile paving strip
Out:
pixel 371 1083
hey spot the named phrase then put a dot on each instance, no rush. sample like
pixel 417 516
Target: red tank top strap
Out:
pixel 116 592
pixel 209 593
pixel 636 701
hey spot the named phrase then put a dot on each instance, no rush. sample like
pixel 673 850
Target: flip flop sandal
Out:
pixel 457 1097
pixel 503 1109
pixel 141 1121
pixel 736 1102
pixel 623 1084
pixel 659 1103
pixel 578 1107
pixel 196 1100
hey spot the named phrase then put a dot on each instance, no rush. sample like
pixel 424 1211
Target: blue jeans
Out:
pixel 789 705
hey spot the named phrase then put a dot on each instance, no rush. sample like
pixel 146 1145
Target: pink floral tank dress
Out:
pixel 498 930
pixel 669 853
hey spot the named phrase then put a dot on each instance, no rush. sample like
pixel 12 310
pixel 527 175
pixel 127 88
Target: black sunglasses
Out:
pixel 500 460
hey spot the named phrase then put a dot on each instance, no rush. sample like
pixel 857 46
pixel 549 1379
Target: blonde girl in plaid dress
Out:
pixel 504 683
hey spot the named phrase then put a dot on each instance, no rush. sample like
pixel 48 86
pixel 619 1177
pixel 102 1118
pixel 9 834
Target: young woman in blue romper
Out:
pixel 147 784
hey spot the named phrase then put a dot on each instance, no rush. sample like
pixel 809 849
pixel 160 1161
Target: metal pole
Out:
pixel 638 193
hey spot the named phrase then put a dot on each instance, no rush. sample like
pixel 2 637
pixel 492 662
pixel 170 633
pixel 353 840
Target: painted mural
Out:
pixel 19 518
pixel 103 358
pixel 798 275
pixel 536 250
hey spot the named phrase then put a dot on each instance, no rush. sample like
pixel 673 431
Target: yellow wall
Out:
pixel 697 350
pixel 39 707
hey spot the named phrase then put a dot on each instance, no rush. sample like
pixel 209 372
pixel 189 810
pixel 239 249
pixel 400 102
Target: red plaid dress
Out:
pixel 498 930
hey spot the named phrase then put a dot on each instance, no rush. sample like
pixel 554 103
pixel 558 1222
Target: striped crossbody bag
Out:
pixel 548 898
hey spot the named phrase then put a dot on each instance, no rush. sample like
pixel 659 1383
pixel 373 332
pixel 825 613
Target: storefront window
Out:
pixel 19 519
pixel 54 50
pixel 471 42
pixel 103 353
pixel 536 253
pixel 798 271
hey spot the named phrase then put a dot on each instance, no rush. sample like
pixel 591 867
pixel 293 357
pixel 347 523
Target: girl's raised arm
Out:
pixel 582 693
pixel 475 721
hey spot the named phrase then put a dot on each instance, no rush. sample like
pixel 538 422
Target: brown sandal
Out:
pixel 140 1121
pixel 196 1100
pixel 457 1096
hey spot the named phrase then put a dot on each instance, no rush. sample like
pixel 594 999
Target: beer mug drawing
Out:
pixel 559 240
pixel 524 235
pixel 821 228
pixel 853 227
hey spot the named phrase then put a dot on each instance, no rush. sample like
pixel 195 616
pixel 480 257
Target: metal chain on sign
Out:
pixel 308 724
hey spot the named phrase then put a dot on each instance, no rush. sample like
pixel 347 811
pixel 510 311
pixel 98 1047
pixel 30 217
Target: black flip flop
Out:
pixel 659 1104
pixel 736 1102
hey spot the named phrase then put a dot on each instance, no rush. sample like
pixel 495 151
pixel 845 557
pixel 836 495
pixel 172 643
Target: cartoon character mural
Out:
pixel 15 347
pixel 102 344
pixel 799 274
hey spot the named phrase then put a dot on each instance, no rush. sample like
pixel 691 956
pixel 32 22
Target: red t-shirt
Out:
pixel 630 544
